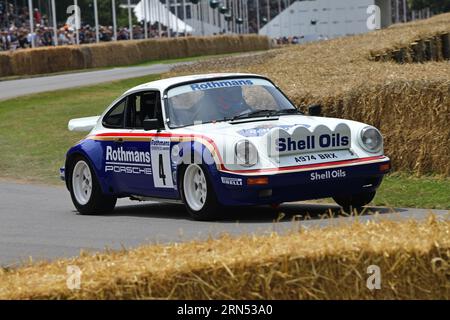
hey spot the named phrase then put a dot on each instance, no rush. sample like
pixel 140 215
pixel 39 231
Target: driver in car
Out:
pixel 221 103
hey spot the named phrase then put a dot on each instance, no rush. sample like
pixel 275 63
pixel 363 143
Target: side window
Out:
pixel 115 117
pixel 141 106
pixel 133 113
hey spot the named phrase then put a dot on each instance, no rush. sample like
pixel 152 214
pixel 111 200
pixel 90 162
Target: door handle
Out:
pixel 119 140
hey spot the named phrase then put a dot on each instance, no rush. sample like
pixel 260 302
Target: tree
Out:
pixel 87 12
pixel 436 6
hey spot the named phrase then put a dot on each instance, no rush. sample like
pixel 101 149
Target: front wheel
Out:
pixel 85 190
pixel 198 194
pixel 355 201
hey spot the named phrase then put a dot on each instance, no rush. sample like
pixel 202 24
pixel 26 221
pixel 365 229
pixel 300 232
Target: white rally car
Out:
pixel 219 140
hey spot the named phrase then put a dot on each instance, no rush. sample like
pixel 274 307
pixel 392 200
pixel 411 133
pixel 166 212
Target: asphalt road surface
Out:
pixel 16 88
pixel 40 221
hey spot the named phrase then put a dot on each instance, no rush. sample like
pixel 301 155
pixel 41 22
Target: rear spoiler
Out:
pixel 83 124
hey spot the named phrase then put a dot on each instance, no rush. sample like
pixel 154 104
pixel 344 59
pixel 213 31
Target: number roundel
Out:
pixel 161 163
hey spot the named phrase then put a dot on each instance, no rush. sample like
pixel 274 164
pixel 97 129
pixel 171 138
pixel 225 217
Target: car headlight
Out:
pixel 371 139
pixel 246 153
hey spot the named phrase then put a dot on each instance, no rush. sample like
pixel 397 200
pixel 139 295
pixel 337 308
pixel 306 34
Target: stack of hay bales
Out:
pixel 64 58
pixel 409 102
pixel 434 48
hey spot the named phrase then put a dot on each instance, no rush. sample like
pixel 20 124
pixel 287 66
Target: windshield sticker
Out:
pixel 220 84
pixel 263 129
pixel 216 84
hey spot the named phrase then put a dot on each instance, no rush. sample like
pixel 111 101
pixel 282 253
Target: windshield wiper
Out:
pixel 266 112
pixel 256 113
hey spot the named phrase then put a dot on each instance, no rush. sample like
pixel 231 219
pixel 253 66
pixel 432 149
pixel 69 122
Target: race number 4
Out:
pixel 162 175
pixel 160 154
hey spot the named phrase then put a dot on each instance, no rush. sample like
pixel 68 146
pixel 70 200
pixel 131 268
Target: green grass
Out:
pixel 401 190
pixel 33 129
pixel 34 139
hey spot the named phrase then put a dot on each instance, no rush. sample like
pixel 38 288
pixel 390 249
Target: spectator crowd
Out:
pixel 15 30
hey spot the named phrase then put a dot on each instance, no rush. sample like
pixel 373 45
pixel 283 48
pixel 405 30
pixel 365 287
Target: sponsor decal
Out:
pixel 160 155
pixel 329 174
pixel 127 169
pixel 323 141
pixel 307 140
pixel 232 181
pixel 119 160
pixel 220 84
pixel 121 155
pixel 160 144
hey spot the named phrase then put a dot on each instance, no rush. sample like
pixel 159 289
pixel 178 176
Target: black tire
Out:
pixel 211 208
pixel 98 203
pixel 355 201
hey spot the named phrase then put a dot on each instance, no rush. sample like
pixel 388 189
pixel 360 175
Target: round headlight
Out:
pixel 371 139
pixel 246 153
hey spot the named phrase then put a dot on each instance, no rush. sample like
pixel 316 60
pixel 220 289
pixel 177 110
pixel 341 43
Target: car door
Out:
pixel 148 160
pixel 114 154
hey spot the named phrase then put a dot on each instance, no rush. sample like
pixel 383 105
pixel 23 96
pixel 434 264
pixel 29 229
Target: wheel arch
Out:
pixel 70 161
pixel 210 170
pixel 72 155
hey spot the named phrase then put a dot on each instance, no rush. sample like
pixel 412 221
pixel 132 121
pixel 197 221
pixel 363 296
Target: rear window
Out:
pixel 115 117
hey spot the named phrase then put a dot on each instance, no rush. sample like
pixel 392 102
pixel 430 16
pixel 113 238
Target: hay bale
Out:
pixel 5 65
pixel 431 49
pixel 87 56
pixel 20 62
pixel 438 47
pixel 194 47
pixel 418 49
pixel 150 50
pixel 63 58
pixel 445 39
pixel 311 263
pixel 46 60
pixel 114 54
pixel 399 56
pixel 428 49
pixel 386 57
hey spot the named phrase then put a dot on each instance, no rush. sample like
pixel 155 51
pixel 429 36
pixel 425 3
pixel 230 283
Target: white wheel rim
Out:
pixel 195 187
pixel 82 182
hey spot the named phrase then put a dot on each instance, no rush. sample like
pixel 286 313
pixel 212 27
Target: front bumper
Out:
pixel 321 182
pixel 62 173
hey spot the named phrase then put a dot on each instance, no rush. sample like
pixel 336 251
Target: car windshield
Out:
pixel 224 100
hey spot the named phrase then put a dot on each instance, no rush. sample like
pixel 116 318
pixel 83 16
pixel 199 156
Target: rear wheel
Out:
pixel 197 193
pixel 355 201
pixel 85 190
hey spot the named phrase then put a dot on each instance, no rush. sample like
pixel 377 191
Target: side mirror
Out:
pixel 315 110
pixel 151 124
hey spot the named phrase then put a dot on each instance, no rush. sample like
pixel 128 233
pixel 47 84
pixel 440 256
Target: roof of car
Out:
pixel 165 83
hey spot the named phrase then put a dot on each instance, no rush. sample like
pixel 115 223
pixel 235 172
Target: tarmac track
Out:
pixel 21 87
pixel 40 221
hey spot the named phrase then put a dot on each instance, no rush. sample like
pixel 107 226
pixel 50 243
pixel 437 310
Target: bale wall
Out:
pixel 64 58
pixel 316 263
